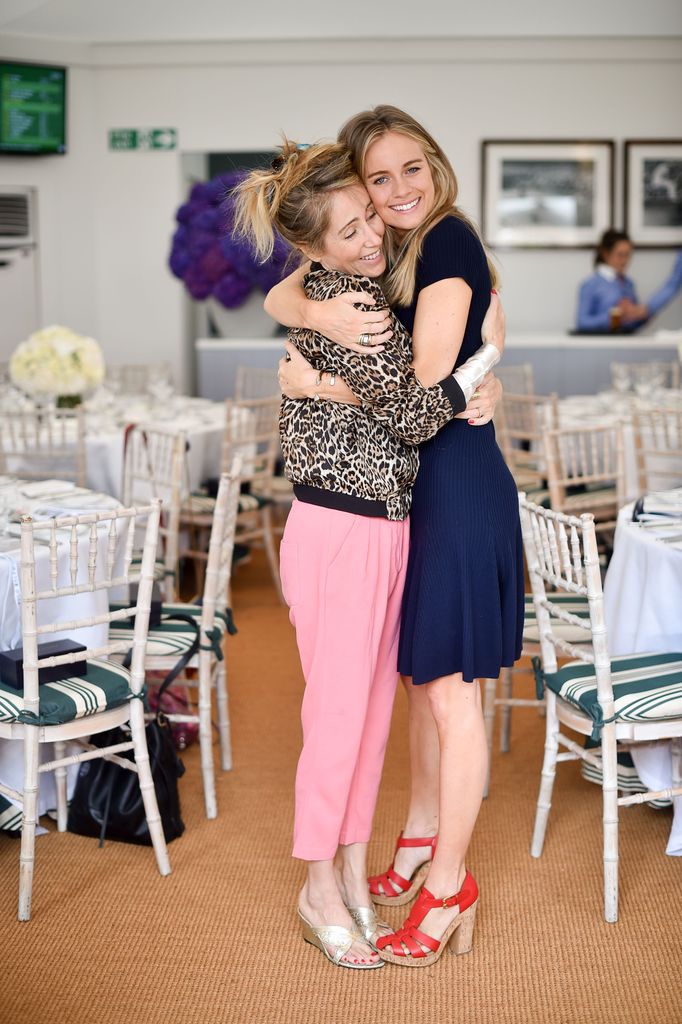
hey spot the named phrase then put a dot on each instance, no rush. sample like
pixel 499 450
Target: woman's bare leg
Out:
pixel 458 715
pixel 422 813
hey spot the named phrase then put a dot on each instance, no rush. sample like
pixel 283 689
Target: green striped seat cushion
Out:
pixel 170 639
pixel 628 779
pixel 105 685
pixel 646 688
pixel 573 603
pixel 159 565
pixel 204 504
pixel 589 499
pixel 10 816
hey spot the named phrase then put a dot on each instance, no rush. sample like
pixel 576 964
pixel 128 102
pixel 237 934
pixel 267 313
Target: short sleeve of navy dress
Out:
pixel 463 604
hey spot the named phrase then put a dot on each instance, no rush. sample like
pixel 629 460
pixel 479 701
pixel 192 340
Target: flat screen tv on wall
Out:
pixel 32 109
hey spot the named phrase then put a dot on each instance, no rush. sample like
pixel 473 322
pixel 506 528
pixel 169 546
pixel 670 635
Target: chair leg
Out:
pixel 506 710
pixel 28 822
pixel 144 774
pixel 223 719
pixel 205 735
pixel 60 784
pixel 610 819
pixel 489 723
pixel 269 542
pixel 546 778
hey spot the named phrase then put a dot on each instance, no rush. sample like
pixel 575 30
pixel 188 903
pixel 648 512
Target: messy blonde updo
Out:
pixel 292 196
pixel 357 135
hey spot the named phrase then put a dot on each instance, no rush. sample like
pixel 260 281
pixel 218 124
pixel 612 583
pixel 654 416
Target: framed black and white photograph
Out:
pixel 546 195
pixel 653 192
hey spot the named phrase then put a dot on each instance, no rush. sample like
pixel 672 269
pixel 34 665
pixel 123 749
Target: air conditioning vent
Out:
pixel 14 215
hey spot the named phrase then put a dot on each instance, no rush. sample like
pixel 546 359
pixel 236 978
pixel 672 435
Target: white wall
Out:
pixel 107 217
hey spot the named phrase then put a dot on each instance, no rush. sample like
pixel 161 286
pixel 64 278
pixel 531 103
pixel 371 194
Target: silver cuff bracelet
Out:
pixel 471 373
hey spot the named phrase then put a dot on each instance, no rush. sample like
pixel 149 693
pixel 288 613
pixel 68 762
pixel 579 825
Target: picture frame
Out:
pixel 546 193
pixel 652 193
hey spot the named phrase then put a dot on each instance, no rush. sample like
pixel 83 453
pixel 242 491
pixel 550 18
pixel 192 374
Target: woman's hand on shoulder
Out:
pixel 339 320
pixel 484 401
pixel 494 328
pixel 297 378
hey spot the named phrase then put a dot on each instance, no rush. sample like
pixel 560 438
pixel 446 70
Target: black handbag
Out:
pixel 107 800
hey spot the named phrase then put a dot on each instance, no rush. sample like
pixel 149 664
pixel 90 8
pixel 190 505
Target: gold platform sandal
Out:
pixel 339 938
pixel 368 924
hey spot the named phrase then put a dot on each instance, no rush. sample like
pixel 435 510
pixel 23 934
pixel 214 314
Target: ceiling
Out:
pixel 144 21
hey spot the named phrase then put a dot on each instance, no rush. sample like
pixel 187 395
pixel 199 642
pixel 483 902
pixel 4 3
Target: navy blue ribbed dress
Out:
pixel 463 605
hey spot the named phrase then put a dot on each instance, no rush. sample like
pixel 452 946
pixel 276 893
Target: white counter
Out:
pixel 567 364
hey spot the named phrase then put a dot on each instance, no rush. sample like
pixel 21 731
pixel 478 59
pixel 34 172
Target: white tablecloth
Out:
pixel 643 608
pixel 60 495
pixel 201 420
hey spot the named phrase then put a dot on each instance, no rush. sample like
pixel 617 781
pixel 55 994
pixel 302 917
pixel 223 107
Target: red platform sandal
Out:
pixel 383 887
pixel 404 947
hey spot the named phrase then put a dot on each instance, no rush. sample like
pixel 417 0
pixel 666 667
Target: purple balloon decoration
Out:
pixel 207 257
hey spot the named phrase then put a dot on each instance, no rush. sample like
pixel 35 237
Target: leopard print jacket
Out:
pixel 361 459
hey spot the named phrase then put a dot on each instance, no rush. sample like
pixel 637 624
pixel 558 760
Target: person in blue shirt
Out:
pixel 607 300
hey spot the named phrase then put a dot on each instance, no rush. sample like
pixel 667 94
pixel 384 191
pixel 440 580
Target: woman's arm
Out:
pixel 439 325
pixel 337 319
pixel 592 316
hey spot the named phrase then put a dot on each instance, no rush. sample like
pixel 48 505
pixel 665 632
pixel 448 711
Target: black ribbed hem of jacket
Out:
pixel 341 502
pixel 454 394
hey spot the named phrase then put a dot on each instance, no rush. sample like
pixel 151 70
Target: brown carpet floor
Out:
pixel 217 941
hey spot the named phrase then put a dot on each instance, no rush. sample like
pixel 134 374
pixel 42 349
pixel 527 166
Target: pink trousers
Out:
pixel 342 577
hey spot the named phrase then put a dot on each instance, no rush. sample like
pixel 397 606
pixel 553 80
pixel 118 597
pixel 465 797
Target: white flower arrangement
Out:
pixel 57 361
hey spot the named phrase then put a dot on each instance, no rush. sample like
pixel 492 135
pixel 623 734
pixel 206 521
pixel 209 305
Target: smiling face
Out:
pixel 618 256
pixel 353 241
pixel 399 181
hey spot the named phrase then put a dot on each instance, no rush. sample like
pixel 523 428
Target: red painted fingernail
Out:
pixel 471 422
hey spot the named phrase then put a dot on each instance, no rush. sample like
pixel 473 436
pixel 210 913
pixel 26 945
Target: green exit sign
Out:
pixel 143 138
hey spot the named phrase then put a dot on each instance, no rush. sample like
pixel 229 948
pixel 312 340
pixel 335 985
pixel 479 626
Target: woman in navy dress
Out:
pixel 463 606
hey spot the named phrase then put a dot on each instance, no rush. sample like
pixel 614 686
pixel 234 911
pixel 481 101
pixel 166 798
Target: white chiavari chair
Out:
pixel 252 434
pixel 628 699
pixel 136 378
pixel 40 444
pixel 586 472
pixel 256 382
pixel 521 424
pixel 176 637
pixel 154 466
pixel 517 379
pixel 658 447
pixel 100 558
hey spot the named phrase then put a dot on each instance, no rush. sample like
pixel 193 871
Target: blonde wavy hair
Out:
pixel 357 135
pixel 293 196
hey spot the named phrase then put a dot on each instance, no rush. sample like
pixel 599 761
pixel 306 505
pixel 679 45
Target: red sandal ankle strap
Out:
pixel 411 842
pixel 467 895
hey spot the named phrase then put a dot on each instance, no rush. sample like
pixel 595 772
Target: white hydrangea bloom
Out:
pixel 57 361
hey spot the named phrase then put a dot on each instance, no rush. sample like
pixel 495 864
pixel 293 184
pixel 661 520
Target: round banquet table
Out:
pixel 202 421
pixel 643 609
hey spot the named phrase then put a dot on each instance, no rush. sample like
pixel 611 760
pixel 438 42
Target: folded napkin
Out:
pixel 41 487
pixel 663 503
